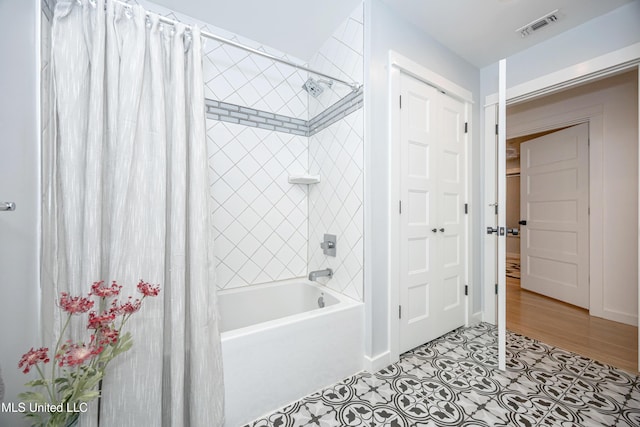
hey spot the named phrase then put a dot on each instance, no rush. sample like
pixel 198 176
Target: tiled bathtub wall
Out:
pixel 337 154
pixel 260 220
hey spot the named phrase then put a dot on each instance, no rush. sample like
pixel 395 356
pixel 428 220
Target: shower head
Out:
pixel 314 88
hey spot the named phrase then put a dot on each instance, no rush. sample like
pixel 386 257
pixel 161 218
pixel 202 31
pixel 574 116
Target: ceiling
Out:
pixel 480 31
pixel 484 31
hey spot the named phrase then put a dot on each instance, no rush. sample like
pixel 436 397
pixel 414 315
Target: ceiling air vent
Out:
pixel 536 24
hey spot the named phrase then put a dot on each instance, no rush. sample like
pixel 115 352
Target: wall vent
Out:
pixel 539 23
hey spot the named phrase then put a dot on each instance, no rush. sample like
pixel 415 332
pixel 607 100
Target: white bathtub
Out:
pixel 279 346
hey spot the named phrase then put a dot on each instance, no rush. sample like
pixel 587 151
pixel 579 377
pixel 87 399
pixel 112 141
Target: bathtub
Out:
pixel 278 345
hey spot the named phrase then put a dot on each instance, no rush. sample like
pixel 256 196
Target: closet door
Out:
pixel 432 230
pixel 418 218
pixel 451 221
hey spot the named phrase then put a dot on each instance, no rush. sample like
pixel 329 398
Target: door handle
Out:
pixel 7 206
pixel 442 230
pixel 435 230
pixel 522 222
pixel 513 231
pixel 491 230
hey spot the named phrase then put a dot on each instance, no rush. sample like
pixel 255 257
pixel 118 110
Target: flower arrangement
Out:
pixel 79 367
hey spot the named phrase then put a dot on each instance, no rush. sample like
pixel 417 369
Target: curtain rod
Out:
pixel 353 85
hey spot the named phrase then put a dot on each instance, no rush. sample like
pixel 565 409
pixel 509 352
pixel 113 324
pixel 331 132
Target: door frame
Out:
pixel 397 64
pixel 595 68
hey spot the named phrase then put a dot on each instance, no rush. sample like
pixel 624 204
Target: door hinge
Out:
pixel 466 208
pixel 466 289
pixel 400 101
pixel 400 206
pixel 496 128
pixel 466 127
pixel 399 312
pixel 496 289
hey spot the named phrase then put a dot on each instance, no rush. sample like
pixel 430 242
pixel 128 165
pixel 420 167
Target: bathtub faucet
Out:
pixel 327 272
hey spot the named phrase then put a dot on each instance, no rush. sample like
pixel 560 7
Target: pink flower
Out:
pixel 74 305
pixel 148 290
pixel 105 291
pixel 77 354
pixel 33 357
pixel 130 306
pixel 109 336
pixel 100 321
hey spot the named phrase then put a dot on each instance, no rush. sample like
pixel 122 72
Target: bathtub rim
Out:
pixel 344 303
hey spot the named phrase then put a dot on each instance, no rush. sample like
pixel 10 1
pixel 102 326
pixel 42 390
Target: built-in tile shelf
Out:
pixel 304 179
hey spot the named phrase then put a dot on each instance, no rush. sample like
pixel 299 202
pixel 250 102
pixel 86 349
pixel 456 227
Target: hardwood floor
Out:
pixel 571 328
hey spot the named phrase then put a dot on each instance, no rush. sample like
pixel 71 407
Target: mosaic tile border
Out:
pixel 232 113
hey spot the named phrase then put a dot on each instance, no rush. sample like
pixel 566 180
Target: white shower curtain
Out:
pixel 126 198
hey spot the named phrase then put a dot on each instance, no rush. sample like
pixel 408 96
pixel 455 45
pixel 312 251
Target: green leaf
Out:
pixel 32 396
pixel 93 381
pixel 37 383
pixel 88 396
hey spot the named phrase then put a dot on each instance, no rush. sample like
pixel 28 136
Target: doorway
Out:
pixel 564 325
pixel 548 215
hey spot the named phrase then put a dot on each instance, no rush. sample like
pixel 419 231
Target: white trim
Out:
pixel 394 218
pixel 397 64
pixel 476 318
pixel 489 254
pixel 422 73
pixel 638 324
pixel 595 68
pixel 502 223
pixel 374 364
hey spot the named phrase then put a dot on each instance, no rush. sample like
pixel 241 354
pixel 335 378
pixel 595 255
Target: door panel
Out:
pixel 417 240
pixel 555 202
pixel 451 228
pixel 432 188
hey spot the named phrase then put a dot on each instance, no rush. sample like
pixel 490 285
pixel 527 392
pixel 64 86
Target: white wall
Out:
pixel 19 183
pixel 616 100
pixel 385 31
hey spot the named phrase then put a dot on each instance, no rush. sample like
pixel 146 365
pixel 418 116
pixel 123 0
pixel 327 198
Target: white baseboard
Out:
pixel 475 318
pixel 374 364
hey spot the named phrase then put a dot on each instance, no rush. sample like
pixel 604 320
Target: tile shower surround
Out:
pixel 263 127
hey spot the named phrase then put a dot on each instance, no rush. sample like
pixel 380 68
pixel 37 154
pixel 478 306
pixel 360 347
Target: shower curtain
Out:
pixel 125 180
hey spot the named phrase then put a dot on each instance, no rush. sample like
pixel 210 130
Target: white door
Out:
pixel 432 189
pixel 554 202
pixel 451 241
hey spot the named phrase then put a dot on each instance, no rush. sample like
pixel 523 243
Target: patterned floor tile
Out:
pixel 453 381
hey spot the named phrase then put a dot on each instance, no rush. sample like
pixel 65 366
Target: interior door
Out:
pixel 554 189
pixel 432 180
pixel 451 225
